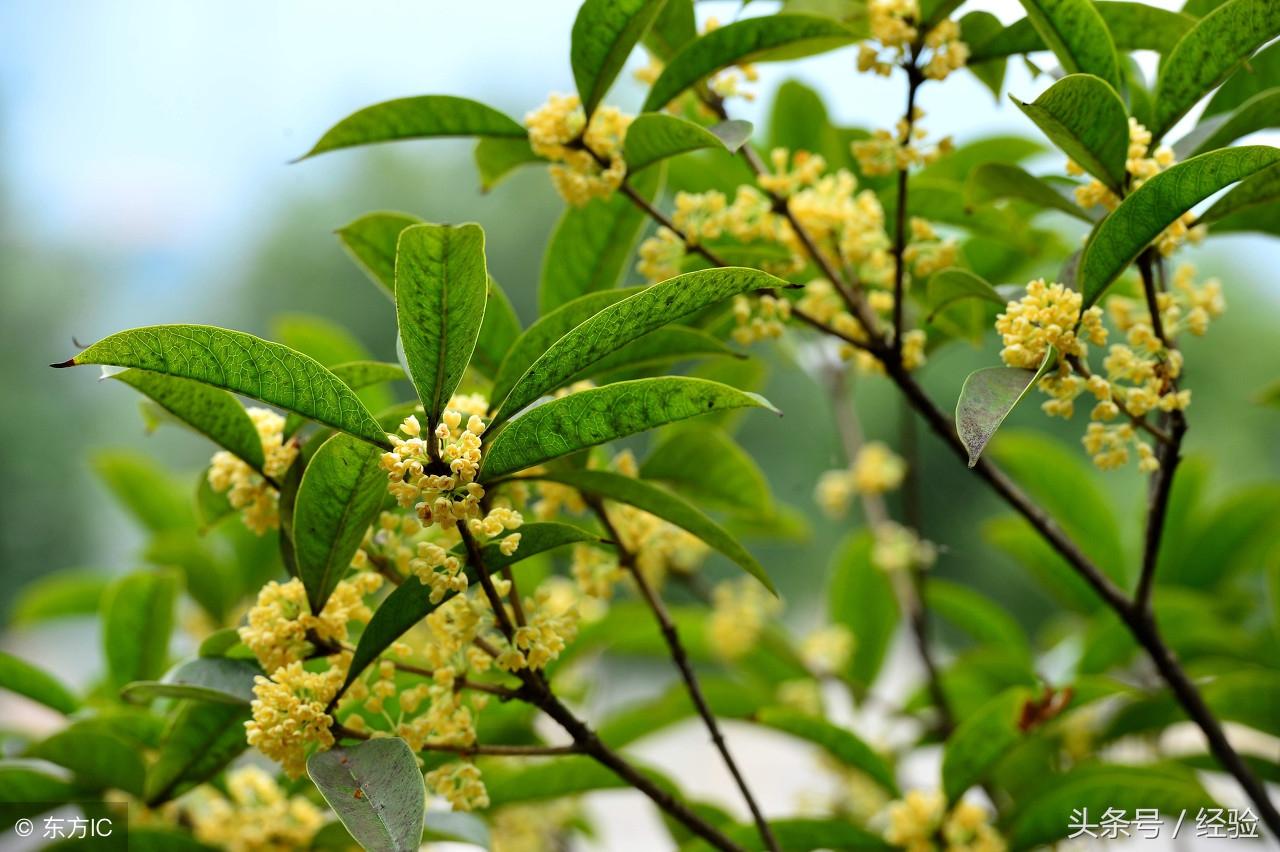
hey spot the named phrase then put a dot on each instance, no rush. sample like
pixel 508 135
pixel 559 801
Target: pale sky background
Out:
pixel 157 133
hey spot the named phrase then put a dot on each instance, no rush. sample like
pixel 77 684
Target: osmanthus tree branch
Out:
pixel 627 559
pixel 914 79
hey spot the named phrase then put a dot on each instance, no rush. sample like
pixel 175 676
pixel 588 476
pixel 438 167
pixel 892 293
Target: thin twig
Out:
pixel 914 79
pixel 626 558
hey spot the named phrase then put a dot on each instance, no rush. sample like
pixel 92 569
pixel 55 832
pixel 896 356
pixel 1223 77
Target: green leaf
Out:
pixel 1211 50
pixel 604 34
pixel 992 181
pixel 61 594
pixel 371 242
pixel 201 739
pixel 975 614
pixel 841 744
pixel 980 741
pixel 706 464
pixel 441 288
pixel 1077 35
pixel 1133 26
pixel 377 791
pixel 746 40
pixel 656 136
pixel 661 503
pixel 539 337
pixel 551 779
pixel 599 415
pixel 219 679
pixel 1156 204
pixel 422 117
pixel 1247 697
pixel 1261 189
pixel 145 489
pixel 1259 73
pixel 399 611
pixel 799 833
pixel 986 398
pixel 535 538
pixel 951 285
pixel 212 412
pixel 98 759
pixel 241 363
pixel 342 490
pixel 17 675
pixel 860 597
pixel 591 244
pixel 30 784
pixel 1085 117
pixel 1261 112
pixel 457 827
pixel 498 157
pixel 673 29
pixel 662 346
pixel 1046 817
pixel 498 332
pixel 620 323
pixel 977 29
pixel 137 618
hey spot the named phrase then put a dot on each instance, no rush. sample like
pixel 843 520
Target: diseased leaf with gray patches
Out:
pixel 987 397
pixel 377 791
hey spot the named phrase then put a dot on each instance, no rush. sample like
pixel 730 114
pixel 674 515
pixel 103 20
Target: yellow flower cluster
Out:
pixel 1141 164
pixel 875 470
pixel 1046 316
pixel 828 650
pixel 728 83
pixel 895 30
pixel 887 152
pixel 899 548
pixel 740 610
pixel 587 159
pixel 927 252
pixel 247 491
pixel 290 714
pixel 763 321
pixel 279 623
pixel 551 623
pixel 254 815
pixel 917 820
pixel 947 52
pixel 532 828
pixel 459 782
pixel 661 256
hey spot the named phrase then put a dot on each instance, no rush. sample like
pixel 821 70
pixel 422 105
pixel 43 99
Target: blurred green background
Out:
pixel 146 182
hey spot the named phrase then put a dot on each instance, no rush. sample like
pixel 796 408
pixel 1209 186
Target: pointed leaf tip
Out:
pixel 70 362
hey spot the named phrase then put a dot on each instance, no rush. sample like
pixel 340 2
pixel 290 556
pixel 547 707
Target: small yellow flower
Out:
pixel 558 131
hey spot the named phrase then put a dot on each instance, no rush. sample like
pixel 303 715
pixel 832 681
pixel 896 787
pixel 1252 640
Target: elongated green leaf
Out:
pixel 599 415
pixel 1211 50
pixel 1248 697
pixel 975 614
pixel 549 328
pixel 1259 73
pixel 673 29
pixel 656 136
pixel 357 375
pixel 1133 26
pixel 1047 817
pixel 551 779
pixel 664 504
pixel 146 490
pixel 1261 189
pixel 218 679
pixel 803 833
pixel 341 492
pixel 981 740
pixel 408 604
pixel 707 464
pixel 623 322
pixel 535 538
pixel 98 759
pixel 1156 204
pixel 591 244
pixel 841 744
pixel 17 675
pixel 241 363
pixel 860 597
pixel 202 737
pixel 497 157
pixel 371 242
pixel 986 398
pixel 747 40
pixel 24 781
pixel 441 289
pixel 422 117
pixel 604 34
pixel 137 617
pixel 210 411
pixel 1261 112
pixel 951 285
pixel 62 594
pixel 1085 117
pixel 727 698
pixel 377 791
pixel 658 347
pixel 1077 35
pixel 498 332
pixel 992 181
pixel 979 29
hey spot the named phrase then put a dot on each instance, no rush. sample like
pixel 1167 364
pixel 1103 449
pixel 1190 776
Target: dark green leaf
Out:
pixel 604 34
pixel 422 117
pixel 146 490
pixel 746 40
pixel 1259 73
pixel 590 245
pixel 498 157
pixel 342 490
pixel 1156 204
pixel 837 834
pixel 860 597
pixel 371 242
pixel 656 136
pixel 951 285
pixel 1085 117
pixel 1077 35
pixel 1261 112
pixel 98 759
pixel 599 415
pixel 535 538
pixel 841 744
pixel 975 614
pixel 1133 26
pixel 551 779
pixel 441 288
pixel 620 323
pixel 992 181
pixel 977 29
pixel 498 332
pixel 61 594
pixel 1211 50
pixel 218 679
pixel 241 363
pixel 674 28
pixel 659 347
pixel 664 504
pixel 17 675
pixel 408 604
pixel 707 464
pixel 987 397
pixel 202 737
pixel 1253 192
pixel 981 740
pixel 137 617
pixel 377 791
